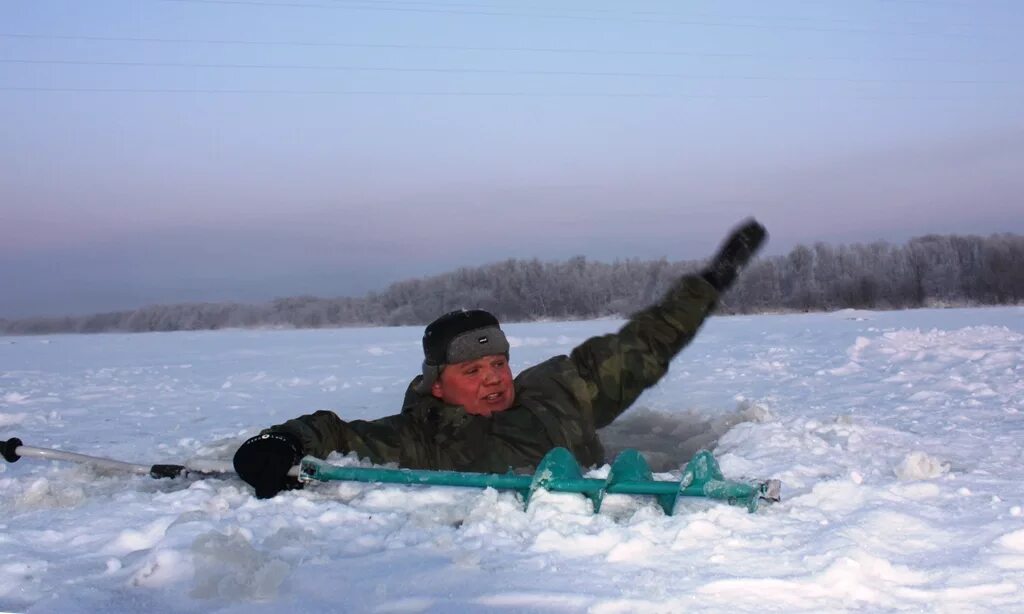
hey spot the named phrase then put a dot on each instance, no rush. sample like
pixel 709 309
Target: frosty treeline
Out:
pixel 926 271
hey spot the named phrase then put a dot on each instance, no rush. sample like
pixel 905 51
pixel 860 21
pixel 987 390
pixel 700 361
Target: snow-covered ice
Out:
pixel 897 436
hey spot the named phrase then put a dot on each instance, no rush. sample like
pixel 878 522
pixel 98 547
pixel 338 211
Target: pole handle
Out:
pixel 166 471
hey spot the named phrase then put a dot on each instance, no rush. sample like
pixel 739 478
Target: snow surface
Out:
pixel 897 436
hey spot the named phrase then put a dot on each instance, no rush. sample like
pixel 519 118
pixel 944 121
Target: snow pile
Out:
pixel 896 435
pixel 227 566
pixel 919 466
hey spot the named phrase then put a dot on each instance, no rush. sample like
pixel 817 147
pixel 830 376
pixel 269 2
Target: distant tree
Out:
pixel 933 269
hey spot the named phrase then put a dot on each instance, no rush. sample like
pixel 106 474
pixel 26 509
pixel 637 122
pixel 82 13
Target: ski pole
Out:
pixel 13 449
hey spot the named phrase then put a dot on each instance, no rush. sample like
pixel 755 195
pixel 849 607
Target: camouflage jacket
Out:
pixel 560 402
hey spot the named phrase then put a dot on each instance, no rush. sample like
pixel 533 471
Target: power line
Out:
pixel 495 49
pixel 502 71
pixel 464 93
pixel 931 3
pixel 368 92
pixel 522 6
pixel 711 24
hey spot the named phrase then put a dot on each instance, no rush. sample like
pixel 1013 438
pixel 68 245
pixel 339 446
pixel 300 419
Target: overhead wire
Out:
pixel 472 93
pixel 495 49
pixel 500 13
pixel 613 11
pixel 500 71
pixel 362 4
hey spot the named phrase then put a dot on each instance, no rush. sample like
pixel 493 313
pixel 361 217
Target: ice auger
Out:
pixel 559 471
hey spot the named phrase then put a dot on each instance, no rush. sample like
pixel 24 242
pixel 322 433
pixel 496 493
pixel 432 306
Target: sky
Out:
pixel 160 151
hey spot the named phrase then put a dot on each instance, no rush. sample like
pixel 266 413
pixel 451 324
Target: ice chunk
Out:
pixel 920 466
pixel 229 567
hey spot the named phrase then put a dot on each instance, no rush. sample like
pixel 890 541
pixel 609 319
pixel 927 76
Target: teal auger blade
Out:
pixel 702 477
pixel 630 467
pixel 559 471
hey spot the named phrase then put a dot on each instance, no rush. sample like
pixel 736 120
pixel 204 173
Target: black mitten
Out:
pixel 264 460
pixel 734 254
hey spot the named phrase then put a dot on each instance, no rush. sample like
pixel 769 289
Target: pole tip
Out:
pixel 9 449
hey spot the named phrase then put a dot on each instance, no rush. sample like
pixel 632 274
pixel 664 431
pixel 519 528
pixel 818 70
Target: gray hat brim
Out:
pixel 470 345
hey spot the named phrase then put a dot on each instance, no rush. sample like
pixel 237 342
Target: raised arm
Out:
pixel 620 366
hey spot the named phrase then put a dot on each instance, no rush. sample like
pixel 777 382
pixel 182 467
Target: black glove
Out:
pixel 734 254
pixel 264 460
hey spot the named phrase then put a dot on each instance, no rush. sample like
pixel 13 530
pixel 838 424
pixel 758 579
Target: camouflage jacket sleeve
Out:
pixel 323 432
pixel 448 439
pixel 618 367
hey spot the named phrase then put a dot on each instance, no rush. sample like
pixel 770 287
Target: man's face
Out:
pixel 482 386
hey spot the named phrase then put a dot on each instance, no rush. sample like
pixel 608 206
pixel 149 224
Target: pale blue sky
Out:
pixel 179 150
